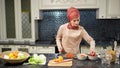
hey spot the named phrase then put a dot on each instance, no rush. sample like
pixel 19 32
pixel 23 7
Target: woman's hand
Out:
pixel 92 46
pixel 92 52
pixel 60 49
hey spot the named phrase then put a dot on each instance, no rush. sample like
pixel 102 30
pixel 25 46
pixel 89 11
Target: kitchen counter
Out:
pixel 92 64
pixel 76 64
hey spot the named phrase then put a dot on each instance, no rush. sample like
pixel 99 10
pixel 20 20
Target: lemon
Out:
pixel 60 57
pixel 11 55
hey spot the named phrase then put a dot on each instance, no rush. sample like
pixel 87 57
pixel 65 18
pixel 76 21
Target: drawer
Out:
pixel 32 49
pixel 6 48
pixel 24 48
pixel 85 49
pixel 45 49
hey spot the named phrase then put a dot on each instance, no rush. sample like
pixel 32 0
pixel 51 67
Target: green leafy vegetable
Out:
pixel 21 56
pixel 37 59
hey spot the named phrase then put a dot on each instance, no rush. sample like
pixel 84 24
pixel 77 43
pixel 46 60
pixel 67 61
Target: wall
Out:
pixel 100 30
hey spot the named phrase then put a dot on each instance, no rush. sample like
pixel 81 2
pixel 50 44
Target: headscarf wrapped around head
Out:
pixel 72 13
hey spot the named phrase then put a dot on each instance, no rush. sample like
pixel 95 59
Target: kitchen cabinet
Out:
pixel 24 48
pixel 108 9
pixel 6 48
pixel 18 20
pixel 29 48
pixel 101 12
pixel 64 4
pixel 85 49
pixel 1 19
pixel 46 49
pixel 7 14
pixel 113 9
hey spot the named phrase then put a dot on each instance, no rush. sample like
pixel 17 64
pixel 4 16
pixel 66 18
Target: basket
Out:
pixel 13 61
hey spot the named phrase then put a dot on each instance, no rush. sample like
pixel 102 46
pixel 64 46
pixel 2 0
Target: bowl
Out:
pixel 13 61
pixel 92 57
pixel 82 56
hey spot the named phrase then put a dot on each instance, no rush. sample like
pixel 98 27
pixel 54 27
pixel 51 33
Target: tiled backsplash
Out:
pixel 100 30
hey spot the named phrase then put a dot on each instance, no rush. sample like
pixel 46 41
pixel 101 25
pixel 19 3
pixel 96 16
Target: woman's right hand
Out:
pixel 60 49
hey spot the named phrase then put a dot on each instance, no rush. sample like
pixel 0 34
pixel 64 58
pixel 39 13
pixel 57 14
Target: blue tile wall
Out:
pixel 105 29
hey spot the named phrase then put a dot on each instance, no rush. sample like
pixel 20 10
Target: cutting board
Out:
pixel 64 63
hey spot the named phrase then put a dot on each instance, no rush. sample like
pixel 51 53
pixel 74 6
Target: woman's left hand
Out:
pixel 92 52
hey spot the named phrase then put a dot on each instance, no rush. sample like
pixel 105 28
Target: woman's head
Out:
pixel 72 13
pixel 73 16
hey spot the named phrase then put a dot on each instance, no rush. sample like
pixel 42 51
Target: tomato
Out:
pixel 69 55
pixel 92 54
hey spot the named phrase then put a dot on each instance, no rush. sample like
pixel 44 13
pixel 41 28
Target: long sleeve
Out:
pixel 88 39
pixel 59 38
pixel 69 40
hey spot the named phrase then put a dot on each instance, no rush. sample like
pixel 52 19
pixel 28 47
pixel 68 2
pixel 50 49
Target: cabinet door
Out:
pixel 1 20
pixel 35 12
pixel 8 28
pixel 29 13
pixel 26 19
pixel 113 9
pixel 10 18
pixel 15 20
pixel 101 12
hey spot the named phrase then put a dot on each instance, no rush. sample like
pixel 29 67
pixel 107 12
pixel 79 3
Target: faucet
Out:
pixel 115 45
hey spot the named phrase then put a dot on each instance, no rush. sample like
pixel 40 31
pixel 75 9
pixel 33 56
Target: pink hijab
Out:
pixel 71 14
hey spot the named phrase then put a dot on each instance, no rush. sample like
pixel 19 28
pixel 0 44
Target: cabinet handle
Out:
pixel 46 47
pixel 7 46
pixel 102 16
pixel 35 17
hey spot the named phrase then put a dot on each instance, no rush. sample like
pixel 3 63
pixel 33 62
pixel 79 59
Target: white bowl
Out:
pixel 82 56
pixel 92 57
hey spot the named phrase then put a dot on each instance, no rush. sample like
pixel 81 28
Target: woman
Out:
pixel 70 34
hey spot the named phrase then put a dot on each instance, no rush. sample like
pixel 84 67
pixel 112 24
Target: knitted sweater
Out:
pixel 70 39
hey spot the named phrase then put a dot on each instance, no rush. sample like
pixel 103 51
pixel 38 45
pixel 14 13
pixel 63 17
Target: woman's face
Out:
pixel 75 21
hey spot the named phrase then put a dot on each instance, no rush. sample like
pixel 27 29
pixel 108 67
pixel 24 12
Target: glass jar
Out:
pixel 117 57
